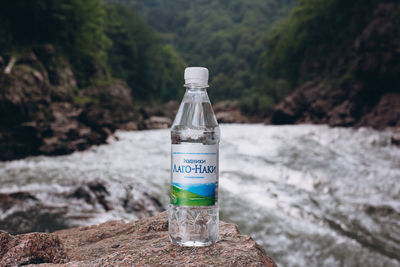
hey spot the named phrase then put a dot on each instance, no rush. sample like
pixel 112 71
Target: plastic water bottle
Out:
pixel 195 135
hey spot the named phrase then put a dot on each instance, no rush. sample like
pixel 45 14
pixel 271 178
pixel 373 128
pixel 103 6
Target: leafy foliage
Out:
pixel 152 70
pixel 255 104
pixel 98 40
pixel 228 37
pixel 311 23
pixel 77 27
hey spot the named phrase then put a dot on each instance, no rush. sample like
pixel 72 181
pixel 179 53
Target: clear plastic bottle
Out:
pixel 195 135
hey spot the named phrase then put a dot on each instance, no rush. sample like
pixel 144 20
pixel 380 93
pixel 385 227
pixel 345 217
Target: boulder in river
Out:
pixel 140 243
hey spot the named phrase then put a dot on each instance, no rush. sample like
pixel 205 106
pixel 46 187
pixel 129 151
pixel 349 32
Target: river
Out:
pixel 310 195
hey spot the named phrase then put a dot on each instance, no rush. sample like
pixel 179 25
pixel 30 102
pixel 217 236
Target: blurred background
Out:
pixel 307 92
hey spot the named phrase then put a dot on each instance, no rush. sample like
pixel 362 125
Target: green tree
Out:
pixel 153 70
pixel 74 26
pixel 227 36
pixel 311 23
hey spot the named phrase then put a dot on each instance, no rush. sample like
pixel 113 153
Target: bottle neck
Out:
pixel 195 87
pixel 196 93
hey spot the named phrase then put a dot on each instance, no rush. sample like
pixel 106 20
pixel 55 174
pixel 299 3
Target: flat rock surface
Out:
pixel 140 243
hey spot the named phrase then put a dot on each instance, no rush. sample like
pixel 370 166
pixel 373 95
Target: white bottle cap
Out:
pixel 196 75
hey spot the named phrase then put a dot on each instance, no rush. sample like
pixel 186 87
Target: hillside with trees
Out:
pixel 72 72
pixel 228 37
pixel 339 60
pixel 100 41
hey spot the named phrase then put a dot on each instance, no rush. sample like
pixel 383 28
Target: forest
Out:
pixel 150 54
pixel 100 41
pixel 253 49
pixel 228 37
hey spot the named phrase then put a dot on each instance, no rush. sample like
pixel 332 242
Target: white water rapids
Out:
pixel 310 195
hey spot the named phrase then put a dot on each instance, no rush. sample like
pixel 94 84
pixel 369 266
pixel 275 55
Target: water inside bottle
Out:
pixel 195 123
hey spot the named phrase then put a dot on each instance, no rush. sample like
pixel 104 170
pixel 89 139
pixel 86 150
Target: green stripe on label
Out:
pixel 181 197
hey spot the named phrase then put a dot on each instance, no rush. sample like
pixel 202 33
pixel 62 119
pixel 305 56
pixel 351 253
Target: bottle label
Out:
pixel 194 170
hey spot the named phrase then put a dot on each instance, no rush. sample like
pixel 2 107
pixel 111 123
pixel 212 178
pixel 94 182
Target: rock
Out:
pixel 59 72
pixel 225 112
pixel 293 106
pixel 145 243
pixel 385 113
pixel 156 122
pixel 93 70
pixel 64 83
pixel 116 98
pixel 168 110
pixel 75 128
pixel 229 112
pixel 27 58
pixel 225 105
pixel 45 53
pixel 395 139
pixel 97 118
pixel 352 80
pixel 24 107
pixel 343 114
pixel 81 203
pixel 336 108
pixel 40 113
pixel 231 117
pixel 33 248
pixel 158 116
pixel 150 111
pixel 129 126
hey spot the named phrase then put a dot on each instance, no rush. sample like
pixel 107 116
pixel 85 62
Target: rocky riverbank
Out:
pixel 225 111
pixel 118 243
pixel 353 80
pixel 230 112
pixel 43 112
